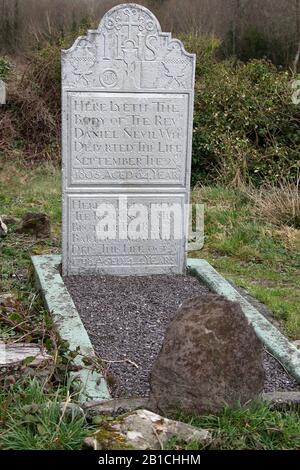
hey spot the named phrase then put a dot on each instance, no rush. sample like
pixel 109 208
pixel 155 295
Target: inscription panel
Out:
pixel 126 233
pixel 127 138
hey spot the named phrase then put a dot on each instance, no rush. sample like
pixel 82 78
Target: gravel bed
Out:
pixel 126 318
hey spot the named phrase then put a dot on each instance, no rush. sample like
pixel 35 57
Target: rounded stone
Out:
pixel 210 357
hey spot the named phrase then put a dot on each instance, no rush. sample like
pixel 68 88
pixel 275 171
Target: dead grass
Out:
pixel 278 205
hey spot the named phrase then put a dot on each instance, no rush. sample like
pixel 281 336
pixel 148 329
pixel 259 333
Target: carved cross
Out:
pixel 130 23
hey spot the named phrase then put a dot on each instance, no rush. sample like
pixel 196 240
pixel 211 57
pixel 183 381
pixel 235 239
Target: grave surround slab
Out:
pixel 70 327
pixel 127 117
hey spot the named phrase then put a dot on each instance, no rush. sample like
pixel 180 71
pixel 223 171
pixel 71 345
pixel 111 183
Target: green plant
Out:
pixel 246 128
pixel 33 419
pixel 5 68
pixel 206 49
pixel 255 428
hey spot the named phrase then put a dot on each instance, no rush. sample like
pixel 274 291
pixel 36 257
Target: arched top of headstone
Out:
pixel 128 52
pixel 147 21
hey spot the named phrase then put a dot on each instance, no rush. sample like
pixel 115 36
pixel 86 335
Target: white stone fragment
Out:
pixel 144 430
pixel 2 92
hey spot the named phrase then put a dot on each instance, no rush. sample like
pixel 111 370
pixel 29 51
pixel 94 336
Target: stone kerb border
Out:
pixel 71 329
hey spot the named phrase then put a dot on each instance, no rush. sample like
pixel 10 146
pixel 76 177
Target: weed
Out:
pixel 33 419
pixel 255 428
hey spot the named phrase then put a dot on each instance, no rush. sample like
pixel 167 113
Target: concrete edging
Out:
pixel 275 342
pixel 70 328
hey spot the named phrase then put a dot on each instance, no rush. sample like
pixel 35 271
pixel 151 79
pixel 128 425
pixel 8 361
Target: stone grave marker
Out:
pixel 127 116
pixel 2 92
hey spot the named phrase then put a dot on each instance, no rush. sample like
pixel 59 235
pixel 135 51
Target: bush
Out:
pixel 31 121
pixel 254 43
pixel 246 128
pixel 206 49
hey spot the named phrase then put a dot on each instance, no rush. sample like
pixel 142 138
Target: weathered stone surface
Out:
pixel 2 92
pixel 37 224
pixel 127 107
pixel 282 400
pixel 144 430
pixel 210 356
pixel 114 407
pixel 8 300
pixel 13 354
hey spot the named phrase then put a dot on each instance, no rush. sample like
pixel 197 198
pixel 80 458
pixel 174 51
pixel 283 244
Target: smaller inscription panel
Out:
pixel 128 138
pixel 131 234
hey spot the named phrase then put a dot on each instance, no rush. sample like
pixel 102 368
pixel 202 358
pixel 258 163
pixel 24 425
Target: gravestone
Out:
pixel 2 92
pixel 127 116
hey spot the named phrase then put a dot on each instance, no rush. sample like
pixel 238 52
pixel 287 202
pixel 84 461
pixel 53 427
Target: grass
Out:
pixel 30 415
pixel 255 428
pixel 23 190
pixel 33 419
pixel 261 257
pixel 256 255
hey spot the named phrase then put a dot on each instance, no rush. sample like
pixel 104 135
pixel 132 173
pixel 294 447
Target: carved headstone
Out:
pixel 2 92
pixel 127 97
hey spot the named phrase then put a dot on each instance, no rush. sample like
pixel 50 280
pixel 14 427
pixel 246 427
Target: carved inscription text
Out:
pixel 125 138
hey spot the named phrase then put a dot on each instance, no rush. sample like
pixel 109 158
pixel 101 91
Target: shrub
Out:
pixel 31 121
pixel 206 49
pixel 246 127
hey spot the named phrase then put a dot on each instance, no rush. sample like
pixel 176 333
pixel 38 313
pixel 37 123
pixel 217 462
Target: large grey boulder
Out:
pixel 210 357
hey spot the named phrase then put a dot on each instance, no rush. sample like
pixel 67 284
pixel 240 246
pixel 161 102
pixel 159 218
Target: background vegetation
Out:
pixel 246 127
pixel 248 28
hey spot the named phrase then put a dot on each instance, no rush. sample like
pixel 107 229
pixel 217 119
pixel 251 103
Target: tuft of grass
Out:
pixel 252 428
pixel 279 205
pixel 33 419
